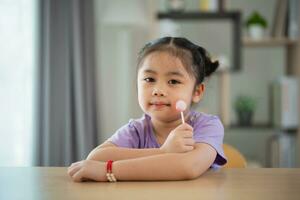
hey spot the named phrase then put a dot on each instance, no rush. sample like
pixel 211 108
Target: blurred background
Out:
pixel 68 73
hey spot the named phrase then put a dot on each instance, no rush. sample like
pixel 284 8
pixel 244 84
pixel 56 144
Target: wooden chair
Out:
pixel 235 159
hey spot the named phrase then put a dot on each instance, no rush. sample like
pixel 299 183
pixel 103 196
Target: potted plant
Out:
pixel 256 25
pixel 245 107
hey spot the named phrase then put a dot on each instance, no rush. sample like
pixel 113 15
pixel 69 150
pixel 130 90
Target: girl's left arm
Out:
pixel 168 166
pixel 171 166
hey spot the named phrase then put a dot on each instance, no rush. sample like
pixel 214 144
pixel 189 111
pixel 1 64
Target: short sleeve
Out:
pixel 211 131
pixel 127 136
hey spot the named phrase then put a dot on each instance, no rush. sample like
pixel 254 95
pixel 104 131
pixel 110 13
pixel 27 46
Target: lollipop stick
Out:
pixel 182 117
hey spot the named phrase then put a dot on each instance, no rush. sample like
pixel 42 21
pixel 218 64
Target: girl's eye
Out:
pixel 149 79
pixel 173 82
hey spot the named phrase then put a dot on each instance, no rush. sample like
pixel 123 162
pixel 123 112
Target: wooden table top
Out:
pixel 54 183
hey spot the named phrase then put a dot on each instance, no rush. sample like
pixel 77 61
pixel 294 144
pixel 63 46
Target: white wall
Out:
pixel 117 49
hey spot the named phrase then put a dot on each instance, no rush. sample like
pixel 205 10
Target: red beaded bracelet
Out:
pixel 109 166
pixel 110 176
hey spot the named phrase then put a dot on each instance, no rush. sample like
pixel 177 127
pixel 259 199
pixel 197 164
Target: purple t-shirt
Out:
pixel 139 134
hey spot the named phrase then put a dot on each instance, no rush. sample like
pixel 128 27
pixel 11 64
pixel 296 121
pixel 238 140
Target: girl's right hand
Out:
pixel 180 140
pixel 87 170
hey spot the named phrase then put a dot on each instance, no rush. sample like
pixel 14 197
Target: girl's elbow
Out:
pixel 194 171
pixel 192 174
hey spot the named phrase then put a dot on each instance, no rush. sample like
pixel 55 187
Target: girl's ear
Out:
pixel 198 93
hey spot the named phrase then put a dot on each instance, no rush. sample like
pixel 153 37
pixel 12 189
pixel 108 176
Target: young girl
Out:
pixel 159 146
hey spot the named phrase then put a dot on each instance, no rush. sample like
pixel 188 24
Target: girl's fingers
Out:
pixel 77 177
pixel 188 148
pixel 187 134
pixel 72 170
pixel 74 165
pixel 189 141
pixel 185 126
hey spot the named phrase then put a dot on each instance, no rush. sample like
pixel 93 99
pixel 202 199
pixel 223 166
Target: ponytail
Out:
pixel 207 64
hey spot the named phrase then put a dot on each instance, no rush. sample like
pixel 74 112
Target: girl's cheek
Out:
pixel 174 106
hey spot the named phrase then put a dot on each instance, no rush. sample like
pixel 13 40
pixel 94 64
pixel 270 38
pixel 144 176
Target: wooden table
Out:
pixel 53 183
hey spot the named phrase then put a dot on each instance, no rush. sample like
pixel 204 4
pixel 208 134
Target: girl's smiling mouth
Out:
pixel 159 104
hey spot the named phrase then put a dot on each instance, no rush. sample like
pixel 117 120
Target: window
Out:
pixel 17 78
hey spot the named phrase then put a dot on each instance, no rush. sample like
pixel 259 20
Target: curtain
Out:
pixel 66 122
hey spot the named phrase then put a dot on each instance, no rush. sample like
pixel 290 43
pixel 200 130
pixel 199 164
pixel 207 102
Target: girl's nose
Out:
pixel 157 92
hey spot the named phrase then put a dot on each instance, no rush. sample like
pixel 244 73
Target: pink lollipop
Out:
pixel 181 106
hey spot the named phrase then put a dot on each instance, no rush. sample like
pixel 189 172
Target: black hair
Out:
pixel 195 58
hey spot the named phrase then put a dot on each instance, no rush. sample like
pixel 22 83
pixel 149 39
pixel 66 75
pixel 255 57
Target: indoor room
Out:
pixel 205 94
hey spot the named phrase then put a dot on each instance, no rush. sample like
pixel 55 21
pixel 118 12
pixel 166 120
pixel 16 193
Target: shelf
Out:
pixel 198 15
pixel 268 42
pixel 261 126
pixel 253 126
pixel 233 16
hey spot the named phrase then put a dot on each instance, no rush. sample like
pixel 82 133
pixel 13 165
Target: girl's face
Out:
pixel 162 81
